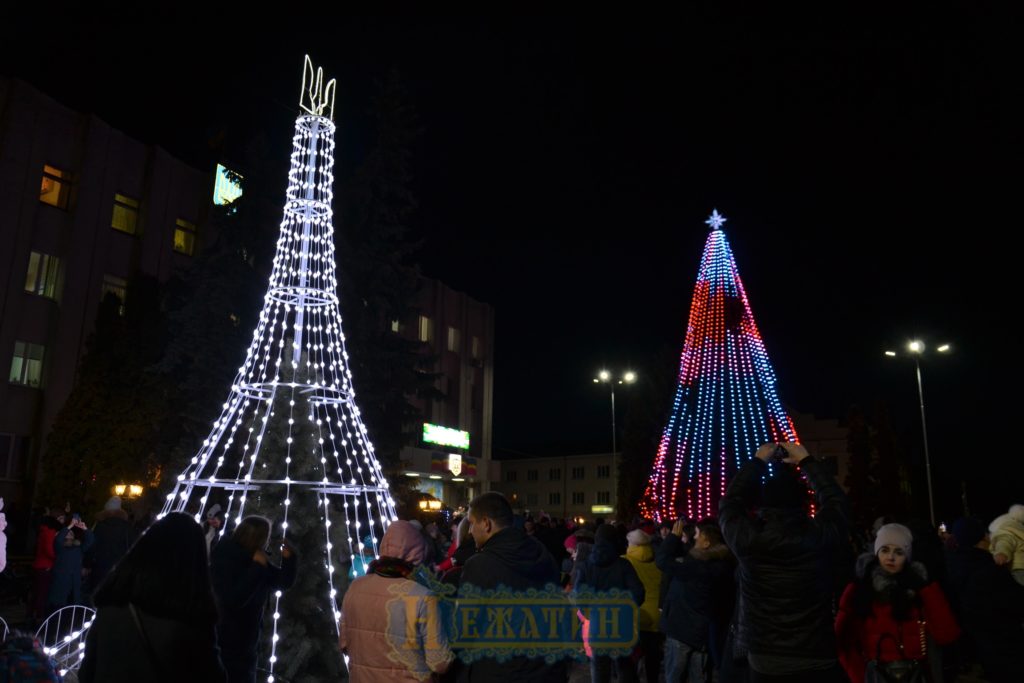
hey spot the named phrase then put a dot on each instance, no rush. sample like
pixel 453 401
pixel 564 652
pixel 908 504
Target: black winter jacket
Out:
pixel 510 559
pixel 241 587
pixel 785 563
pixel 989 605
pixel 698 587
pixel 606 569
pixel 113 535
pixel 116 653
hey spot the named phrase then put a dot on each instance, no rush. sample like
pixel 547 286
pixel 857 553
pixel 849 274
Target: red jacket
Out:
pixel 858 637
pixel 44 548
pixel 448 564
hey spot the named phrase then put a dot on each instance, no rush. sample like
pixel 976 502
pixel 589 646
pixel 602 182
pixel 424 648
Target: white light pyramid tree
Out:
pixel 289 436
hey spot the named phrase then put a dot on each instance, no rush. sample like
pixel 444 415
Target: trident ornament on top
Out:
pixel 314 98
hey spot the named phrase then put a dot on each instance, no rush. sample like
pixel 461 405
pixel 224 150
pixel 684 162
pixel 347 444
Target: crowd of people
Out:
pixel 177 601
pixel 765 592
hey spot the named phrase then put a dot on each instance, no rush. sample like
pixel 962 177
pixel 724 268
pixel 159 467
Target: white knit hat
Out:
pixel 638 537
pixel 894 534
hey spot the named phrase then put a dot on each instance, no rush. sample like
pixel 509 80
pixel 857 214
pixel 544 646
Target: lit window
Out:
pixel 43 275
pixel 116 286
pixel 126 214
pixel 184 237
pixel 577 498
pixel 396 327
pixel 453 339
pixel 55 188
pixel 426 329
pixel 227 187
pixel 604 497
pixel 554 499
pixel 27 364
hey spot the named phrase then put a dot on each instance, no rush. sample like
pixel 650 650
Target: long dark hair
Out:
pixel 897 591
pixel 165 573
pixel 252 533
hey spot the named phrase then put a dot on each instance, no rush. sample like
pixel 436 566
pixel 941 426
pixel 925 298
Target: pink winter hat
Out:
pixel 570 543
pixel 403 541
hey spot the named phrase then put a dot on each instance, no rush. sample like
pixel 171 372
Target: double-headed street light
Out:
pixel 916 349
pixel 606 377
pixel 628 377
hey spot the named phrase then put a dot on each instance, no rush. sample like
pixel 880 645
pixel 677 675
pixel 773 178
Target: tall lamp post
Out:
pixel 606 377
pixel 915 349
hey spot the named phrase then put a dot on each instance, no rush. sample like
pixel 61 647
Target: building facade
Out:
pixel 83 207
pixel 451 458
pixel 827 440
pixel 577 486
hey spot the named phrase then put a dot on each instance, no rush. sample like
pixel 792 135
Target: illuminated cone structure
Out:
pixel 290 437
pixel 725 405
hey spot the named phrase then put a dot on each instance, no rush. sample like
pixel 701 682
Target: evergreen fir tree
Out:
pixel 108 430
pixel 726 403
pixel 289 440
pixel 858 477
pixel 377 279
pixel 211 308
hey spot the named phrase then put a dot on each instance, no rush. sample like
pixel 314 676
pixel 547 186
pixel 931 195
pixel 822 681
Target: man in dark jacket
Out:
pixel 785 563
pixel 113 536
pixel 698 593
pixel 987 602
pixel 607 569
pixel 506 559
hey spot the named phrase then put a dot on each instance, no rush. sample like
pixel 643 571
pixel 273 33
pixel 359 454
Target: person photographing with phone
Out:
pixel 70 544
pixel 785 562
pixel 243 577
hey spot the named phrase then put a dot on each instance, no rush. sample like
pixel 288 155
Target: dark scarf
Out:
pixel 877 585
pixel 391 568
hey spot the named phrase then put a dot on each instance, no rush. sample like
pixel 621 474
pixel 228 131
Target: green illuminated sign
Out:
pixel 445 436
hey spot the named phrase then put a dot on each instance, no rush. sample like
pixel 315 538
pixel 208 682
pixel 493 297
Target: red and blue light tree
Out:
pixel 726 404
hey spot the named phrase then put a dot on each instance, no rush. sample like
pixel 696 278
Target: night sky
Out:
pixel 869 169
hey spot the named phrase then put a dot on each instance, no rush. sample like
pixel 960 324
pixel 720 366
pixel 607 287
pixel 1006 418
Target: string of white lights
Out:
pixel 257 450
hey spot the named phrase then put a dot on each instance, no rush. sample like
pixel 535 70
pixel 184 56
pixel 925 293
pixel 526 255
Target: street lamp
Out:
pixel 628 377
pixel 916 348
pixel 607 378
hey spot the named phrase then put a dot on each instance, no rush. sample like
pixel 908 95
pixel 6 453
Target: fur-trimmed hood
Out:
pixel 881 582
pixel 111 514
pixel 1006 523
pixel 715 552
